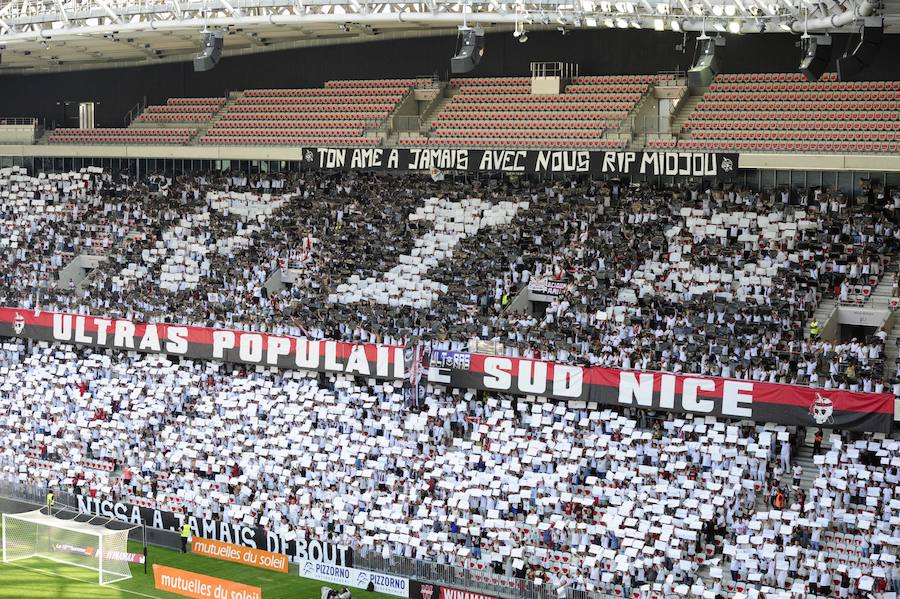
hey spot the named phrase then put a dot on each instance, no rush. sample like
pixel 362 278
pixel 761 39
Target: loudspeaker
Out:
pixel 815 60
pixel 851 65
pixel 211 52
pixel 470 51
pixel 706 67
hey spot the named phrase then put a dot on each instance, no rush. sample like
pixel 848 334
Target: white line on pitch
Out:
pixel 38 570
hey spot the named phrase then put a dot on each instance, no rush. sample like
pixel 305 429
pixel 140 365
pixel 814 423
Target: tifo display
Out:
pixel 491 388
pixel 450 300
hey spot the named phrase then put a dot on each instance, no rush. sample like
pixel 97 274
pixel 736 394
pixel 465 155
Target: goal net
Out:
pixel 97 548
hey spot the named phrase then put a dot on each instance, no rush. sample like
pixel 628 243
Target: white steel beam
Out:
pixel 113 15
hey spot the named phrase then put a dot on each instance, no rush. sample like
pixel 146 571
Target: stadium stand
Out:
pixel 176 111
pixel 49 219
pixel 740 113
pixel 485 112
pixel 675 280
pixel 502 112
pixel 831 537
pixel 786 113
pixel 573 497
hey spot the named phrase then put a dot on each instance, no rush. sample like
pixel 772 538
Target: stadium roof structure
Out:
pixel 47 35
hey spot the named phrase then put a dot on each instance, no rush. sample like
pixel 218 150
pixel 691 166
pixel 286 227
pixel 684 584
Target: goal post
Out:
pixel 91 546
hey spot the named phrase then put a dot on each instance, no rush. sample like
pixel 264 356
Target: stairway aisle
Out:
pixel 804 458
pixel 683 112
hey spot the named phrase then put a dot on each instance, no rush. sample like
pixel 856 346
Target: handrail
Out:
pixel 15 120
pixel 134 111
pixel 391 119
pixel 563 70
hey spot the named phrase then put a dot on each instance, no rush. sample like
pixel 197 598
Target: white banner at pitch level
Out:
pixel 351 577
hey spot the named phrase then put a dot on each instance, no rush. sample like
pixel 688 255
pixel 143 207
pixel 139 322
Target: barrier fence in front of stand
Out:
pixel 485 581
pixel 482 581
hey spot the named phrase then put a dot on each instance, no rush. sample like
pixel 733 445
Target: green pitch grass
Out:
pixel 38 578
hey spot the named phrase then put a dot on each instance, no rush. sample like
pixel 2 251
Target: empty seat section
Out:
pixel 131 135
pixel 782 112
pixel 337 114
pixel 502 112
pixel 191 110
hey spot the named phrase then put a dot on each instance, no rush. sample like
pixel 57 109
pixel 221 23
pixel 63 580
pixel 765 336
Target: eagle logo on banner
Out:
pixel 822 410
pixel 727 165
pixel 19 324
pixel 308 156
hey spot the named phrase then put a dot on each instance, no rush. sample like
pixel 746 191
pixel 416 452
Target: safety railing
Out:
pixel 35 493
pixel 675 75
pixel 5 120
pixel 485 581
pixel 482 581
pixel 563 70
pixel 134 112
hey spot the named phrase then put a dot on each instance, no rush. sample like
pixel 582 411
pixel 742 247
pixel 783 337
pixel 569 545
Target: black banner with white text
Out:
pixel 298 549
pixel 612 163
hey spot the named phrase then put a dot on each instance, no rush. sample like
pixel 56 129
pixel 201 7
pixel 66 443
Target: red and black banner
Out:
pixel 709 396
pixel 259 349
pixel 427 590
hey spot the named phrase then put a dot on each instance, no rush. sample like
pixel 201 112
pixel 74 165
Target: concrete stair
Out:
pixel 438 110
pixel 233 97
pixel 825 310
pixel 804 457
pixel 201 128
pixel 890 346
pixel 633 123
pixel 883 292
pixel 638 142
pixel 683 112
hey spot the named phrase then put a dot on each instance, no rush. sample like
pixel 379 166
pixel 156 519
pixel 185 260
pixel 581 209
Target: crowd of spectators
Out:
pixel 47 219
pixel 715 282
pixel 570 495
pixel 839 538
